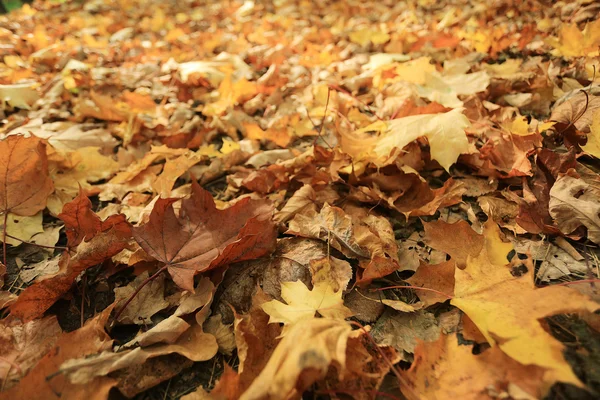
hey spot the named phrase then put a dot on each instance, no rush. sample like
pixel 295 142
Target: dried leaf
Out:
pixel 203 237
pixel 24 180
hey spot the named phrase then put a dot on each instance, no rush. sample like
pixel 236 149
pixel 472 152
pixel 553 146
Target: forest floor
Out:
pixel 294 198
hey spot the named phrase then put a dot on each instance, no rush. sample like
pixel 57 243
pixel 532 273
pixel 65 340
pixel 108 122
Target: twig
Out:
pixel 4 239
pixel 592 281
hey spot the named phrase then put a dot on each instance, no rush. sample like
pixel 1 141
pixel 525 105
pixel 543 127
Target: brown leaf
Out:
pixel 80 221
pixel 24 180
pixel 43 381
pixel 574 203
pixel 24 345
pixel 458 240
pixel 439 277
pixel 37 298
pixel 203 237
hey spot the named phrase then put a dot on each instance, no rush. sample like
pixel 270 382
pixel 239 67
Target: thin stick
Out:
pixel 83 285
pixel 36 244
pixel 576 282
pixel 140 287
pixel 4 239
pixel 415 288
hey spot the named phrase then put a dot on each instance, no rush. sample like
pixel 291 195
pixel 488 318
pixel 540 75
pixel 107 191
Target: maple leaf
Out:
pixel 575 43
pixel 203 237
pixel 102 242
pixel 303 303
pixel 507 307
pixel 41 381
pixel 445 132
pixel 21 95
pixel 443 370
pixel 593 140
pixel 24 180
pixel 302 356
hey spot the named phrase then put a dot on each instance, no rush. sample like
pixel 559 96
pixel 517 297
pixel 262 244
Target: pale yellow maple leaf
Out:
pixel 574 43
pixel 303 303
pixel 593 144
pixel 445 133
pixel 508 309
pixel 22 228
pixel 365 36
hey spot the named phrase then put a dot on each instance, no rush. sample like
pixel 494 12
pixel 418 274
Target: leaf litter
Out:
pixel 271 200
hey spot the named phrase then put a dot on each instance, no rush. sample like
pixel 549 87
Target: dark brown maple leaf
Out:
pixel 203 237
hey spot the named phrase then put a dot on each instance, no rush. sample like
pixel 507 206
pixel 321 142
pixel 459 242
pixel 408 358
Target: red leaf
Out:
pixel 203 237
pixel 80 221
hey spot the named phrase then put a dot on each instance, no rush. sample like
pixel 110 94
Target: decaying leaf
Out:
pixel 574 203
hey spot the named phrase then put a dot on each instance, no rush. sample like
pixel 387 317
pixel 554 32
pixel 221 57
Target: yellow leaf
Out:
pixel 23 228
pixel 445 132
pixel 363 37
pixel 308 348
pixel 415 71
pixel 573 43
pixel 507 308
pixel 593 144
pixel 229 146
pixel 446 370
pixel 302 303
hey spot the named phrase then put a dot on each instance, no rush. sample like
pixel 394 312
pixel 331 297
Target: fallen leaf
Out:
pixel 574 203
pixel 443 369
pixel 504 304
pixel 147 302
pixel 43 381
pixel 203 237
pixel 302 303
pixel 303 355
pixel 24 177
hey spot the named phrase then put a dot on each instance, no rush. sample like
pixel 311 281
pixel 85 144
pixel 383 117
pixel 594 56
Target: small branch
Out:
pixel 576 282
pixel 4 239
pixel 139 288
pixel 36 244
pixel 415 288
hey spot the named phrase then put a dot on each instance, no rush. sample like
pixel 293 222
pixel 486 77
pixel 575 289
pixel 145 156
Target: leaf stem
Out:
pixel 415 288
pixel 139 288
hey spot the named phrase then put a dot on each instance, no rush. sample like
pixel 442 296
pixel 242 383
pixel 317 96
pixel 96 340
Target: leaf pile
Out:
pixel 270 200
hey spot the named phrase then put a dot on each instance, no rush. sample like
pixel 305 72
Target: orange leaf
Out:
pixel 24 181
